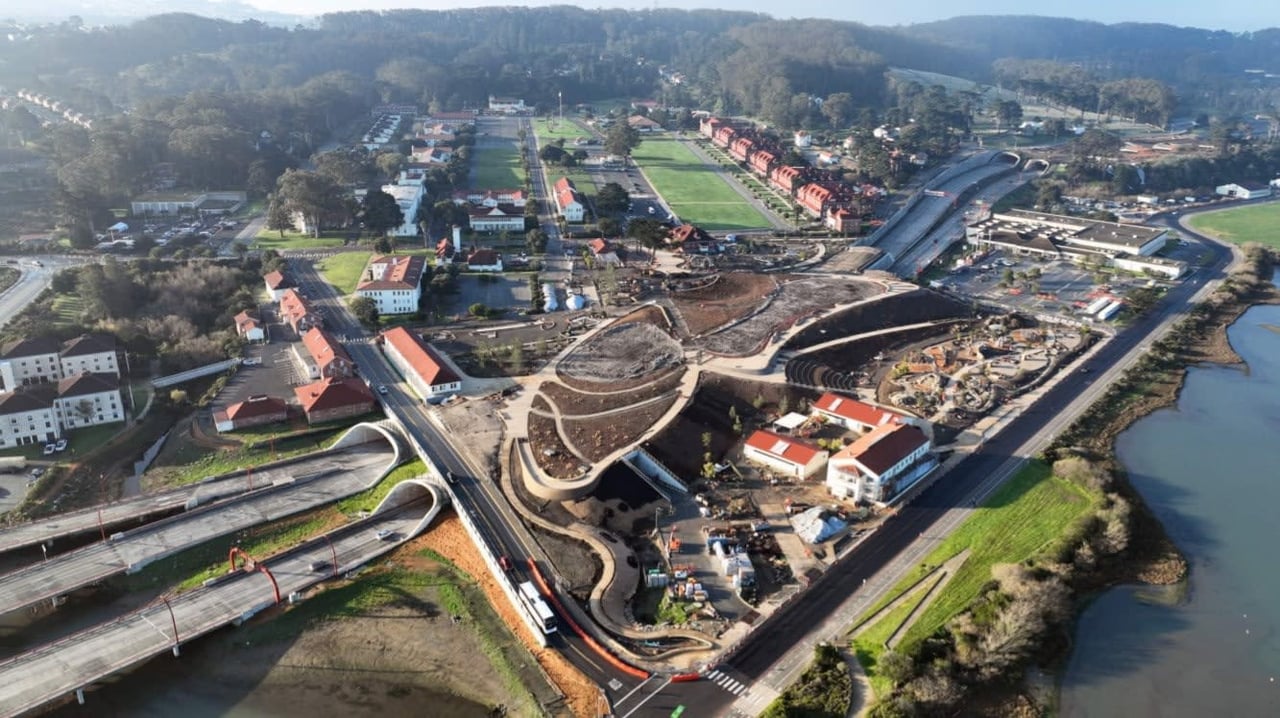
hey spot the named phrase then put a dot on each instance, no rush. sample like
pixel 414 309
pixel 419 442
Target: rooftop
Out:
pixel 89 344
pixel 87 383
pixel 421 357
pixel 884 447
pixel 786 448
pixel 32 346
pixel 854 410
pixel 333 394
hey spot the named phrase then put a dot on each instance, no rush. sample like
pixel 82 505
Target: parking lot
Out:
pixel 277 373
pixel 13 488
pixel 498 291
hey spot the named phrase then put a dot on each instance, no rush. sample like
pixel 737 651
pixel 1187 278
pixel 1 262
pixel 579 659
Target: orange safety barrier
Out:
pixel 686 677
pixel 591 642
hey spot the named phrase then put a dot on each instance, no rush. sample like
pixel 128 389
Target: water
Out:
pixel 1210 470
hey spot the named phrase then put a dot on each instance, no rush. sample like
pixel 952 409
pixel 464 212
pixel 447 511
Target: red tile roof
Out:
pixel 255 406
pixel 245 321
pixel 784 447
pixel 598 246
pixel 333 393
pixel 294 306
pixel 403 272
pixel 324 349
pixel 854 410
pixel 884 447
pixel 277 280
pixel 420 356
pixel 484 258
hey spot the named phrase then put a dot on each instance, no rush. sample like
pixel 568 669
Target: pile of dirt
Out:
pixel 450 539
pixel 623 351
pixel 727 298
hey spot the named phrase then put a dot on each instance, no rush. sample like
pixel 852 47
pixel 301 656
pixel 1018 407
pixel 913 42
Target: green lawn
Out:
pixel 496 167
pixel 693 190
pixel 1029 513
pixel 192 462
pixel 1253 223
pixel 869 644
pixel 67 309
pixel 271 239
pixel 557 129
pixel 343 270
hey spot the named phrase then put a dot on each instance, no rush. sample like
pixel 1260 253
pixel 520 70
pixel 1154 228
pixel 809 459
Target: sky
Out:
pixel 1237 16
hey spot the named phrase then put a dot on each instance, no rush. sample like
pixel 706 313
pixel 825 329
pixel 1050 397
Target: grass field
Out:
pixel 271 239
pixel 67 310
pixel 556 129
pixel 1028 514
pixel 343 270
pixel 496 167
pixel 693 190
pixel 1253 223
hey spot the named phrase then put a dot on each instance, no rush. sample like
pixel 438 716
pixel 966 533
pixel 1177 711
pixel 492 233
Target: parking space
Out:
pixel 269 369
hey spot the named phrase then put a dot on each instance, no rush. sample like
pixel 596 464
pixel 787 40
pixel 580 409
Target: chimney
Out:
pixel 457 239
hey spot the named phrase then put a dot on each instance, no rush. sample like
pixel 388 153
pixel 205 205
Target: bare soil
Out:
pixel 795 300
pixel 623 351
pixel 577 403
pixel 544 439
pixel 610 387
pixel 597 438
pixel 898 310
pixel 478 421
pixel 732 296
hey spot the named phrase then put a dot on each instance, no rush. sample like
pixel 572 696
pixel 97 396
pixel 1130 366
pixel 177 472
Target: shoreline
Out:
pixel 1153 558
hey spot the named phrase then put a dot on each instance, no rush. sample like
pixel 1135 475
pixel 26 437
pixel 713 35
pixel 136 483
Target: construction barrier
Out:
pixel 591 642
pixel 686 677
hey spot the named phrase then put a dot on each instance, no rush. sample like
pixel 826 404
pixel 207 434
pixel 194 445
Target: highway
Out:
pixel 319 481
pixel 105 518
pixel 473 492
pixel 57 669
pixel 33 281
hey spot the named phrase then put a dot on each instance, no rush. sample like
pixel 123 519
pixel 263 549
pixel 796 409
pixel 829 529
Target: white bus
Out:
pixel 537 608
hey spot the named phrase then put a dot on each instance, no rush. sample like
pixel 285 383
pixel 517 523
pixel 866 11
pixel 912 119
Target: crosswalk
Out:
pixel 727 682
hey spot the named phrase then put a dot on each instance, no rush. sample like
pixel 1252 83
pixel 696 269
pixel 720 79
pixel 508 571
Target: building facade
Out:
pixel 879 466
pixel 419 364
pixel 394 283
pixel 40 360
pixel 785 454
pixel 41 413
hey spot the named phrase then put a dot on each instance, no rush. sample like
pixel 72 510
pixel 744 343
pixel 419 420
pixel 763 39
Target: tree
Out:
pixel 365 311
pixel 552 154
pixel 536 241
pixel 317 197
pixel 279 218
pixel 478 310
pixel 897 667
pixel 380 212
pixel 649 232
pixel 612 198
pixel 621 139
pixel 1008 113
pixel 838 109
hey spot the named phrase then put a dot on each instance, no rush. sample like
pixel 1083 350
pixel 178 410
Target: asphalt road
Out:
pixel 33 281
pixel 474 493
pixel 56 669
pixel 336 475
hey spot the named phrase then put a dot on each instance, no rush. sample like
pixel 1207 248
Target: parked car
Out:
pixel 37 472
pixel 251 361
pixel 61 445
pixel 49 449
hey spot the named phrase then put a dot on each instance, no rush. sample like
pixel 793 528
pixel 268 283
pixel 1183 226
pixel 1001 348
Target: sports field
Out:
pixel 548 129
pixel 1252 223
pixel 496 166
pixel 694 190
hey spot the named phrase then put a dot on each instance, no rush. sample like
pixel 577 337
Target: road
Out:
pixel 33 281
pixel 137 509
pixel 51 671
pixel 474 492
pixel 328 477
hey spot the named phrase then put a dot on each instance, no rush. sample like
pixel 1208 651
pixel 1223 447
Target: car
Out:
pixel 382 389
pixel 61 445
pixel 448 476
pixel 49 449
pixel 251 361
pixel 385 534
pixel 37 472
pixel 320 566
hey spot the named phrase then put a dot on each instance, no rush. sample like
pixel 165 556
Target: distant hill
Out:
pixel 113 12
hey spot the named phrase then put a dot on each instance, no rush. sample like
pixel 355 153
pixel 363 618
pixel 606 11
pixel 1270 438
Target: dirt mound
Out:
pixel 623 351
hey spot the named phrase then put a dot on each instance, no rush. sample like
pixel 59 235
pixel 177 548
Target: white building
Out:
pixel 499 218
pixel 277 284
pixel 41 360
pixel 393 282
pixel 418 363
pixel 506 105
pixel 880 465
pixel 484 260
pixel 41 413
pixel 409 197
pixel 94 353
pixel 1244 190
pixel 249 327
pixel 784 454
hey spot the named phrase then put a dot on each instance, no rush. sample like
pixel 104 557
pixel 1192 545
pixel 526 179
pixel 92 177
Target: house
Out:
pixel 254 411
pixel 328 355
pixel 643 124
pixel 568 200
pixel 277 284
pixel 332 399
pixel 26 417
pixel 298 313
pixel 842 220
pixel 762 161
pixel 432 155
pixel 498 218
pixel 785 454
pixel 690 238
pixel 1244 190
pixel 249 327
pixel 29 361
pixel 803 139
pixel 879 466
pixel 393 282
pixel 484 260
pixel 444 252
pixel 506 105
pixel 603 253
pixel 419 364
pixel 491 197
pixel 41 413
pixel 89 399
pixel 855 415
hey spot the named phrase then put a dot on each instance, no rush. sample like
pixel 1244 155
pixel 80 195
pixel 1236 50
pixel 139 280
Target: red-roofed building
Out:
pixel 762 162
pixel 741 148
pixel 856 415
pixel 815 197
pixel 484 260
pixel 249 327
pixel 394 283
pixel 879 466
pixel 569 201
pixel 333 399
pixel 842 220
pixel 425 370
pixel 254 411
pixel 298 313
pixel 496 218
pixel 786 178
pixel 277 283
pixel 785 454
pixel 329 357
pixel 709 125
pixel 723 136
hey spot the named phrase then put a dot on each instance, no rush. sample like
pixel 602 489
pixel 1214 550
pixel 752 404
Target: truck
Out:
pixel 1109 311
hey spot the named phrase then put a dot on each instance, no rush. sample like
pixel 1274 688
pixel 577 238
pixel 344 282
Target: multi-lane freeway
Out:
pixel 315 482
